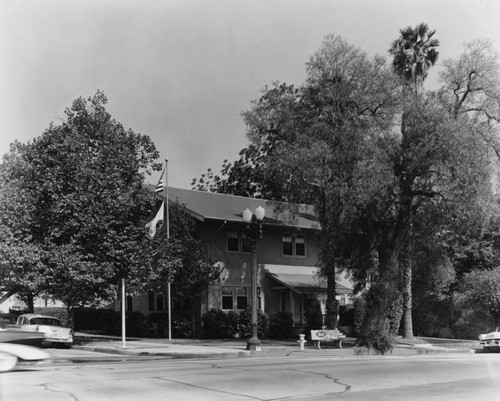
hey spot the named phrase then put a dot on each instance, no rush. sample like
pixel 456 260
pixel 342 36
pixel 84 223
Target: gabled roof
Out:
pixel 213 206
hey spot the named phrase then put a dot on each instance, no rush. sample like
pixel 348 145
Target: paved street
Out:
pixel 113 377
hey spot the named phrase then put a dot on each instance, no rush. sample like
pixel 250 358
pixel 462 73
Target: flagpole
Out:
pixel 123 313
pixel 167 221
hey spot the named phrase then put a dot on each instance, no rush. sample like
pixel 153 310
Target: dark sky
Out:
pixel 181 71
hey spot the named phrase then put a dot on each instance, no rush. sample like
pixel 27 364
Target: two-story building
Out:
pixel 287 255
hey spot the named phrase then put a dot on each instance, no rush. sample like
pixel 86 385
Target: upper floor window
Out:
pixel 238 242
pixel 300 245
pixel 233 241
pixel 246 245
pixel 287 245
pixel 294 245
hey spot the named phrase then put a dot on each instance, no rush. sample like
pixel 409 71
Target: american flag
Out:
pixel 159 186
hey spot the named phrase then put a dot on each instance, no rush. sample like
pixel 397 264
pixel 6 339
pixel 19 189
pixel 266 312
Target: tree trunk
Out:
pixel 71 317
pixel 30 303
pixel 331 302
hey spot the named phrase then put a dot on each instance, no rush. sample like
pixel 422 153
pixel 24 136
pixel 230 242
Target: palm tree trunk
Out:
pixel 407 297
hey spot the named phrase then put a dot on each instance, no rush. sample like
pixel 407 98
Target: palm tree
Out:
pixel 414 52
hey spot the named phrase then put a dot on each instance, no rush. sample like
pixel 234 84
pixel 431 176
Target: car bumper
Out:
pixel 59 340
pixel 490 343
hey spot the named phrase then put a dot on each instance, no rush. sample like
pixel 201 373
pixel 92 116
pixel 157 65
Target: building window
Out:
pixel 300 245
pixel 235 298
pixel 159 302
pixel 227 297
pixel 241 298
pixel 234 239
pixel 129 303
pixel 246 244
pixel 151 301
pixel 238 298
pixel 287 245
pixel 233 242
pixel 294 245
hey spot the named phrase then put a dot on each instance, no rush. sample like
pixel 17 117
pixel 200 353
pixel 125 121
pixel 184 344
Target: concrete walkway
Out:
pixel 187 348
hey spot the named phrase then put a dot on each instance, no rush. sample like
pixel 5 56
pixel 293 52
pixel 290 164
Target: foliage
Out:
pixel 414 52
pixel 88 319
pixel 245 323
pixel 471 323
pixel 218 324
pixel 176 257
pixel 280 325
pixel 380 192
pixel 79 188
pixel 313 315
pixel 359 314
pixel 480 292
pixel 158 324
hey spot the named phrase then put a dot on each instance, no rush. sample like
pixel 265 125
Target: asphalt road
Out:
pixel 110 377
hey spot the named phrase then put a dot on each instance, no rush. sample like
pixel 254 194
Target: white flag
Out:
pixel 153 223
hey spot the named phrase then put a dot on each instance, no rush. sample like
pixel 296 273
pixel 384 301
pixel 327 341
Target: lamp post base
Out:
pixel 254 344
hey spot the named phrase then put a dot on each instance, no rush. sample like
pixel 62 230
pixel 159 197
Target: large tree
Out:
pixel 82 203
pixel 414 52
pixel 332 142
pixel 317 139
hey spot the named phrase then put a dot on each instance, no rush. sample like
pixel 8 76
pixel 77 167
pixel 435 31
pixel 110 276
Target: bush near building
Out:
pixel 281 325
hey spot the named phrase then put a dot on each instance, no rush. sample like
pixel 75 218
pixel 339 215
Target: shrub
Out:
pixel 217 324
pixel 182 328
pixel 281 325
pixel 136 324
pixel 88 319
pixel 245 324
pixel 157 324
pixel 471 323
pixel 313 315
pixel 110 322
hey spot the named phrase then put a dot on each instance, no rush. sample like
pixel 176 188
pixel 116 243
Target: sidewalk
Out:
pixel 195 348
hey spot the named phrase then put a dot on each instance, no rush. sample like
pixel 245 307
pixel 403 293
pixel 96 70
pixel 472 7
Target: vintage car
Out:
pixel 50 326
pixel 490 340
pixel 16 336
pixel 11 353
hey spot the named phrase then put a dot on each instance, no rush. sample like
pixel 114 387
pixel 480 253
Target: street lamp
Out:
pixel 254 229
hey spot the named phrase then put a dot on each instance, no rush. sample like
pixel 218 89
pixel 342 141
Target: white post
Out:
pixel 169 313
pixel 167 221
pixel 123 313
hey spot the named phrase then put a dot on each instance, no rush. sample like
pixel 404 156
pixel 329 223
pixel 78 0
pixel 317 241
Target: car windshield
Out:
pixel 46 321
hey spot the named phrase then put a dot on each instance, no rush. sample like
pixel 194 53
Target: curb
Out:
pixel 166 354
pixel 277 352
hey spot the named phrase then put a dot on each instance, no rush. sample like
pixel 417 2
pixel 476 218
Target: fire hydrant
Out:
pixel 301 341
